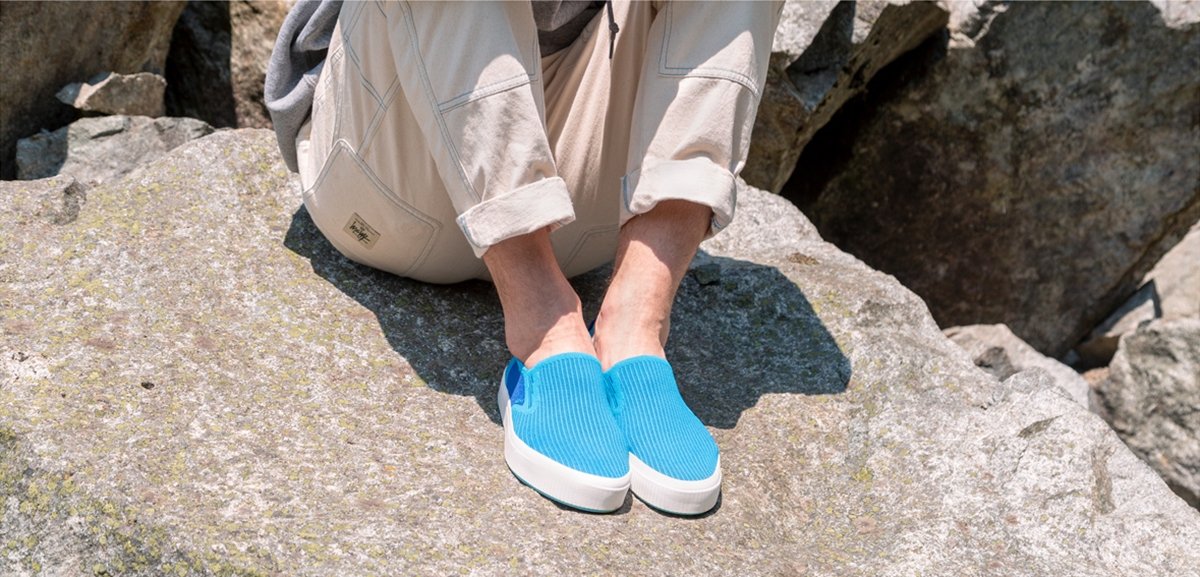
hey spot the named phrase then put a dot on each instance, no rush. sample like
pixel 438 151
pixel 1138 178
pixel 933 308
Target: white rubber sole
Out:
pixel 674 495
pixel 554 480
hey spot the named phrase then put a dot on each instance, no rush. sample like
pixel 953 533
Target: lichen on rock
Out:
pixel 310 416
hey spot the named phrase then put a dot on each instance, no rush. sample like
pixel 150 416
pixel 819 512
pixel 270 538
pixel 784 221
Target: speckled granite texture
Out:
pixel 193 383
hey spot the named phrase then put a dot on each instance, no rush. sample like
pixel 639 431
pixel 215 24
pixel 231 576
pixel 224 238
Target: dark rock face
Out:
pixel 824 54
pixel 218 61
pixel 47 45
pixel 255 27
pixel 192 381
pixel 198 74
pixel 1151 398
pixel 1028 168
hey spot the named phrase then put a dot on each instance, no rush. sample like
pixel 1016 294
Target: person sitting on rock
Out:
pixel 525 143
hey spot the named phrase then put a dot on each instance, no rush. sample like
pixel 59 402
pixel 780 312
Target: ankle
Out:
pixel 551 326
pixel 542 313
pixel 619 337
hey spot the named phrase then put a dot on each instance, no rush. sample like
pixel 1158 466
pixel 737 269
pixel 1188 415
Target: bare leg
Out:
pixel 652 256
pixel 542 313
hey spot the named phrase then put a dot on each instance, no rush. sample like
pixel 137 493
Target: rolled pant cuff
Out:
pixel 521 211
pixel 697 180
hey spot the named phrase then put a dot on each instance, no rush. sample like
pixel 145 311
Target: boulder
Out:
pixel 193 382
pixel 1177 13
pixel 1151 397
pixel 46 45
pixel 995 349
pixel 218 61
pixel 1171 290
pixel 1027 169
pixel 823 55
pixel 138 94
pixel 55 200
pixel 94 150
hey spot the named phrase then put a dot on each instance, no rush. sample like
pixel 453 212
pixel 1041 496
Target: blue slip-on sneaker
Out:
pixel 559 434
pixel 673 460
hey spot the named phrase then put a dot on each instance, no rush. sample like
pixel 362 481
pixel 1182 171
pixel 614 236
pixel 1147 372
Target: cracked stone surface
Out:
pixel 823 55
pixel 1028 168
pixel 104 147
pixel 1150 398
pixel 192 382
pixel 995 349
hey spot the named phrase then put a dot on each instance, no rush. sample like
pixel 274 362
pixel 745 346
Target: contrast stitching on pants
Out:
pixel 462 225
pixel 362 76
pixel 718 74
pixel 427 87
pixel 348 33
pixel 313 81
pixel 665 69
pixel 669 170
pixel 434 226
pixel 530 74
pixel 479 93
pixel 534 69
pixel 352 22
pixel 666 41
pixel 627 189
pixel 389 99
pixel 518 194
pixel 337 60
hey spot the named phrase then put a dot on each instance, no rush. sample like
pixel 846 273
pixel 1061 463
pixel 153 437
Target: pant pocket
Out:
pixel 364 220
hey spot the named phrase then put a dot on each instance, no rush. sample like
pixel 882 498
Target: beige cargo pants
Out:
pixel 438 130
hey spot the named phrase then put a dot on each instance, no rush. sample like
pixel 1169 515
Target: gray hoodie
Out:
pixel 299 55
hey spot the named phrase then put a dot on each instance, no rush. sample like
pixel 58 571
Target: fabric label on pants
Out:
pixel 361 231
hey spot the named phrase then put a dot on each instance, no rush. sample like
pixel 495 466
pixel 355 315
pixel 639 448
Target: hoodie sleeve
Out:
pixel 295 65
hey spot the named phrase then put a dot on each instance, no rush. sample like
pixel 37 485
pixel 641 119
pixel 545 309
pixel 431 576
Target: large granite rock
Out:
pixel 995 349
pixel 47 45
pixel 1027 169
pixel 193 382
pixel 102 148
pixel 218 61
pixel 1151 398
pixel 823 55
pixel 1171 290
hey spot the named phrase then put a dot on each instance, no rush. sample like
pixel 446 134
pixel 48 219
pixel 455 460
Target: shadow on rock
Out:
pixel 739 330
pixel 744 332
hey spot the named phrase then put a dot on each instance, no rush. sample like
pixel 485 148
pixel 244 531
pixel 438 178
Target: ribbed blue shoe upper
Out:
pixel 659 427
pixel 559 409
